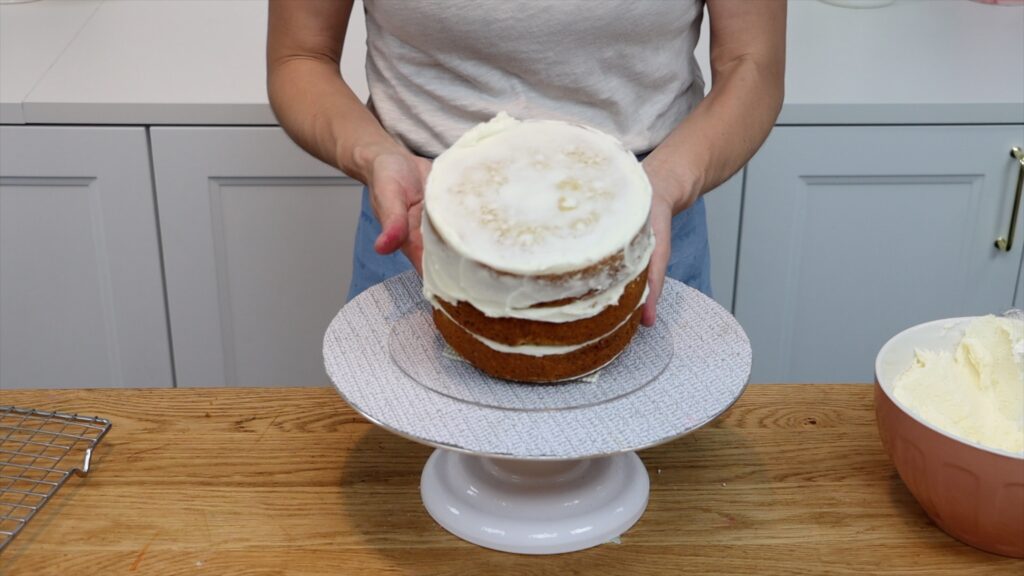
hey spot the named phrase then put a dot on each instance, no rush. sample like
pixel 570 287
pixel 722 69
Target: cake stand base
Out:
pixel 534 506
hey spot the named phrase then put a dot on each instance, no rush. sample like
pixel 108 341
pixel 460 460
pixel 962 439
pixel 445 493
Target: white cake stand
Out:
pixel 535 469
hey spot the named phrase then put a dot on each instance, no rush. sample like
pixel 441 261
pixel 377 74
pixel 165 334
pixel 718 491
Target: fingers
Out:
pixel 414 252
pixel 661 223
pixel 655 280
pixel 413 247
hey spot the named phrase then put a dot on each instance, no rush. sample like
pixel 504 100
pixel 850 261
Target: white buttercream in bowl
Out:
pixel 975 391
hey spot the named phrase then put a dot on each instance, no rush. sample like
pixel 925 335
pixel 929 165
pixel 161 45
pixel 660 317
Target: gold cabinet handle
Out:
pixel 1005 243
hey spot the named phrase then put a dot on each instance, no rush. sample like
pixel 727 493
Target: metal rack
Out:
pixel 38 452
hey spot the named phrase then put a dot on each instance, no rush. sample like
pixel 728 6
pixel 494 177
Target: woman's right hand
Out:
pixel 396 180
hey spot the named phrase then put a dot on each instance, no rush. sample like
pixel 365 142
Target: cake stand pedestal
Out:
pixel 534 507
pixel 535 469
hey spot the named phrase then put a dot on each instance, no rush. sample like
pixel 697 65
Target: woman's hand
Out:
pixel 396 180
pixel 670 196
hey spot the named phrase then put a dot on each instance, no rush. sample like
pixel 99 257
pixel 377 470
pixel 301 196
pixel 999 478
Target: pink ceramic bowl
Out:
pixel 974 493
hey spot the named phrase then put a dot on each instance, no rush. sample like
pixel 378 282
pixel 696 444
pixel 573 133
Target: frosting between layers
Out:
pixel 531 350
pixel 536 197
pixel 454 278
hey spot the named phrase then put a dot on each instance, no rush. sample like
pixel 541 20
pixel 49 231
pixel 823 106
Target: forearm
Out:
pixel 312 102
pixel 722 133
pixel 322 114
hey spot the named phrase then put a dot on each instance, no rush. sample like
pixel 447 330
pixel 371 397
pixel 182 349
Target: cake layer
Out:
pixel 583 293
pixel 536 197
pixel 520 332
pixel 536 369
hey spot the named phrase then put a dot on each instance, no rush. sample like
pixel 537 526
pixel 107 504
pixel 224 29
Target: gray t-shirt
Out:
pixel 437 67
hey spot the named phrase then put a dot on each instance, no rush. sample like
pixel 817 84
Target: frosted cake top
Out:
pixel 537 196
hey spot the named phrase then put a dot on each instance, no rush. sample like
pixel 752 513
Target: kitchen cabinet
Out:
pixel 81 293
pixel 257 239
pixel 1018 301
pixel 853 233
pixel 723 209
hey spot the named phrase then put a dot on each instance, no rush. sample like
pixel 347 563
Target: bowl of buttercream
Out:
pixel 949 400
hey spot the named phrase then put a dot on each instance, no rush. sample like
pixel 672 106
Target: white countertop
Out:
pixel 32 37
pixel 171 62
pixel 160 62
pixel 945 61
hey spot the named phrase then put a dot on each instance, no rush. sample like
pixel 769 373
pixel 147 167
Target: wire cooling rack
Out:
pixel 38 452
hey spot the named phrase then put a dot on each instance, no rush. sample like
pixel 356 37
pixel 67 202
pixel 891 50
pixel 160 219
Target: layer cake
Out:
pixel 536 240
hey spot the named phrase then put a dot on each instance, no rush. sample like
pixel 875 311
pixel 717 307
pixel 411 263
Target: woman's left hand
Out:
pixel 669 196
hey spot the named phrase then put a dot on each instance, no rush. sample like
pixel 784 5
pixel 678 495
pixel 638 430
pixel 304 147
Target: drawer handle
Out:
pixel 1005 243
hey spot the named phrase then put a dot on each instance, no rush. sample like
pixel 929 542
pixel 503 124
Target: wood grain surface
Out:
pixel 792 480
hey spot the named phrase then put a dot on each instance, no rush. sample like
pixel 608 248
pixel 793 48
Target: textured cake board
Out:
pixel 708 370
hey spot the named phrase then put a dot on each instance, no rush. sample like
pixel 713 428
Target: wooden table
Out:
pixel 793 480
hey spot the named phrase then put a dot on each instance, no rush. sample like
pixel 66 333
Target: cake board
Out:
pixel 535 469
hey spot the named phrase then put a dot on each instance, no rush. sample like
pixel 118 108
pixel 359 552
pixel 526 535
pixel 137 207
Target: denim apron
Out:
pixel 690 262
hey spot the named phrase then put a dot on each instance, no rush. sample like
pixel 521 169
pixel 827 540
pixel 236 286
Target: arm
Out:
pixel 321 113
pixel 725 130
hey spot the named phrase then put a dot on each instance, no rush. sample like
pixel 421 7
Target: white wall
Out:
pixel 353 54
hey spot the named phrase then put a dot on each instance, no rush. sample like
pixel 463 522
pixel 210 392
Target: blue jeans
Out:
pixel 690 262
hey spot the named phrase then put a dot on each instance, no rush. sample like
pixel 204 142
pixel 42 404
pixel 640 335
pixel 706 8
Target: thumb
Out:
pixel 393 212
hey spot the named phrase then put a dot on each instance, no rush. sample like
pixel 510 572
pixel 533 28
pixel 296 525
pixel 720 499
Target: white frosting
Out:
pixel 534 199
pixel 975 391
pixel 450 276
pixel 533 350
pixel 537 197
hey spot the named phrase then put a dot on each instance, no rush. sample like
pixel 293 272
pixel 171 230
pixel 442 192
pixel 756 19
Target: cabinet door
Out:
pixel 1018 300
pixel 81 295
pixel 723 208
pixel 257 239
pixel 851 234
